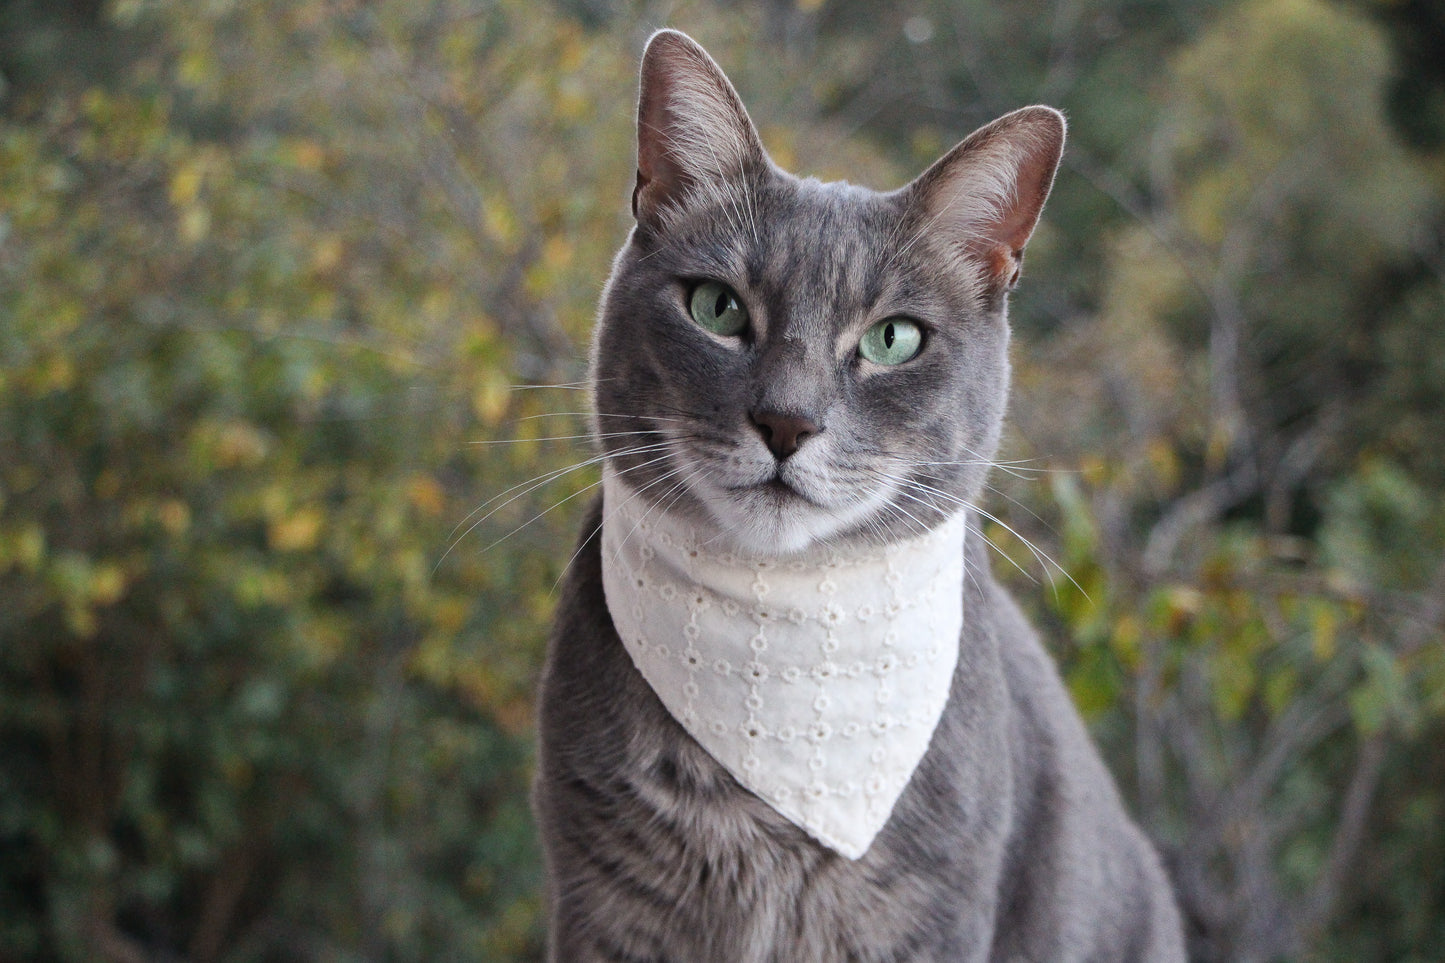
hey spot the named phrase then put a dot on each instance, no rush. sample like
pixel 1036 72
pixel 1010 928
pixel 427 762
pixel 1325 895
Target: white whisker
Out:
pixel 532 485
pixel 652 461
pixel 592 534
pixel 579 437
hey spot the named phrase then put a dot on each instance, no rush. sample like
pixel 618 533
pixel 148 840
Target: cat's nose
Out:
pixel 783 433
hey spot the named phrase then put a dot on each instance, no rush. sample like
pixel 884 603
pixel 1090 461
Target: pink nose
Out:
pixel 783 433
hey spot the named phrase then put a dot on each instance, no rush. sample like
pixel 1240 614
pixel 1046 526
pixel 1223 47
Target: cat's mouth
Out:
pixel 776 492
pixel 772 514
pixel 777 486
pixel 779 489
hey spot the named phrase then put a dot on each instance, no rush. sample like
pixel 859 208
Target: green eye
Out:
pixel 891 341
pixel 717 308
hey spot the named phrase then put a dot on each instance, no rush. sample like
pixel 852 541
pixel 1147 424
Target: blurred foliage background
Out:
pixel 280 285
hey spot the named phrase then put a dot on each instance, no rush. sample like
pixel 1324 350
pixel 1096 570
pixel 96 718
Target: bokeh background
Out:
pixel 284 502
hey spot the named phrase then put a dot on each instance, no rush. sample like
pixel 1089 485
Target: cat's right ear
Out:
pixel 694 139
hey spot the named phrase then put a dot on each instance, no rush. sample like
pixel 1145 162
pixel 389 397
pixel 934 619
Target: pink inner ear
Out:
pixel 667 66
pixel 657 177
pixel 988 191
pixel 1006 235
pixel 692 130
pixel 1012 232
pixel 1017 226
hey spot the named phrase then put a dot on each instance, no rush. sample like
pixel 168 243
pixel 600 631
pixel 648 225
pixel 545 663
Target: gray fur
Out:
pixel 1010 842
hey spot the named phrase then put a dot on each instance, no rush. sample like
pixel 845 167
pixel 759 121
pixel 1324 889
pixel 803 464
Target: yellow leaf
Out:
pixel 107 584
pixel 1221 441
pixel 1185 604
pixel 557 252
pixel 1127 633
pixel 571 51
pixel 308 155
pixel 451 614
pixel 30 547
pixel 491 398
pixel 780 144
pixel 297 532
pixel 196 68
pixel 195 224
pixel 433 660
pixel 572 101
pixel 58 374
pixel 1323 624
pixel 240 444
pixel 426 495
pixel 1164 463
pixel 501 224
pixel 174 516
pixel 81 621
pixel 326 255
pixel 186 185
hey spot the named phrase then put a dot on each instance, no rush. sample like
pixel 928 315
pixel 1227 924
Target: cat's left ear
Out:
pixel 985 196
pixel 694 138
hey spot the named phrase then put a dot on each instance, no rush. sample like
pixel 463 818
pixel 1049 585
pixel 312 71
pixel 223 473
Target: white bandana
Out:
pixel 817 683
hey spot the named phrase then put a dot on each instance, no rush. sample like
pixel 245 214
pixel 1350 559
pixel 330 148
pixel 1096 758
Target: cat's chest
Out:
pixel 743 883
pixel 740 882
pixel 692 866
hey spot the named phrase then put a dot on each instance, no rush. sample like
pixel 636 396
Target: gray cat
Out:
pixel 798 376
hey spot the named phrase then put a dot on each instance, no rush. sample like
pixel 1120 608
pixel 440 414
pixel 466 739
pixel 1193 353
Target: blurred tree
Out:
pixel 267 269
pixel 261 284
pixel 1258 517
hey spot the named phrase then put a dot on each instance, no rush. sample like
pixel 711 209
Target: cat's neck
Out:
pixel 816 680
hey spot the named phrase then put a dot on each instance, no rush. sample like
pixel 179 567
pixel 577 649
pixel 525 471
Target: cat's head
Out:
pixel 786 362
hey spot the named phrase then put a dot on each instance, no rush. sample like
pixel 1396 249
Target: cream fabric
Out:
pixel 817 681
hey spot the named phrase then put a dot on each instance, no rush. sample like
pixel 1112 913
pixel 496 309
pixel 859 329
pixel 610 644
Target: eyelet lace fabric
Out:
pixel 816 682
